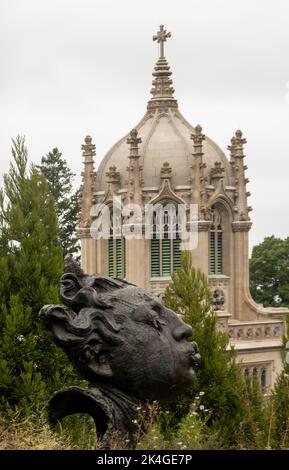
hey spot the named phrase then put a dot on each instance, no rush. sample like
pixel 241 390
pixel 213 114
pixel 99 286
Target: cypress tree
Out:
pixel 31 263
pixel 60 181
pixel 218 383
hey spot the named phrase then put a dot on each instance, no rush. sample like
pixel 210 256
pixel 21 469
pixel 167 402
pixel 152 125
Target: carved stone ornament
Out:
pixel 130 348
pixel 218 299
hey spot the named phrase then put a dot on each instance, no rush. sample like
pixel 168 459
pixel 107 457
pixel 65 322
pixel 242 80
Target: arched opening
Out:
pixel 220 249
pixel 263 378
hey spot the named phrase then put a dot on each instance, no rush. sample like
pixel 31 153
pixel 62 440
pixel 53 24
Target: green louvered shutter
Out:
pixel 212 253
pixel 110 258
pixel 166 257
pixel 118 258
pixel 124 256
pixel 155 257
pixel 176 254
pixel 220 254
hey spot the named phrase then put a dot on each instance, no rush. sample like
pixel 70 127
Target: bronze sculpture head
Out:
pixel 122 340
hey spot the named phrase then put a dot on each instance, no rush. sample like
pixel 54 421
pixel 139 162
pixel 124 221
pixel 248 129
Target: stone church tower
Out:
pixel 165 160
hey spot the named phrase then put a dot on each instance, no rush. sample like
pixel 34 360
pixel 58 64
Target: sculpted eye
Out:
pixel 148 314
pixel 156 322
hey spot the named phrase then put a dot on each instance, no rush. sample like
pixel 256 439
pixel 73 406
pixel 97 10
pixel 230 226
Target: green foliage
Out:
pixel 269 272
pixel 254 428
pixel 192 431
pixel 280 405
pixel 219 377
pixel 79 430
pixel 31 263
pixel 60 179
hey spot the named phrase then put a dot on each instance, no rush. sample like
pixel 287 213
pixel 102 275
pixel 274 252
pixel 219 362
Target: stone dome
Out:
pixel 166 137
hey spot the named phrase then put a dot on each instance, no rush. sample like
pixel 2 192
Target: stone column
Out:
pixel 88 244
pixel 241 268
pixel 200 255
pixel 138 261
pixel 88 251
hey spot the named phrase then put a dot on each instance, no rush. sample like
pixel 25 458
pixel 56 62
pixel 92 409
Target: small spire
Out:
pixel 133 140
pixel 87 188
pixel 162 90
pixel 239 143
pixel 88 150
pixel 198 138
pixel 198 191
pixel 134 193
pixel 240 179
pixel 232 149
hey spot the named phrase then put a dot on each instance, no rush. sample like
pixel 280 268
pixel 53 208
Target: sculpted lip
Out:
pixel 194 355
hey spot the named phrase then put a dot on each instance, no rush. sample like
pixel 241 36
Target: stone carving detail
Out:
pixel 217 172
pixel 218 299
pixel 215 282
pixel 113 176
pixel 251 331
pixel 221 326
pixel 241 226
pixel 83 233
pixel 112 341
pixel 166 171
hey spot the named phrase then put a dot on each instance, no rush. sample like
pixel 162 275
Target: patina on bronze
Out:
pixel 130 348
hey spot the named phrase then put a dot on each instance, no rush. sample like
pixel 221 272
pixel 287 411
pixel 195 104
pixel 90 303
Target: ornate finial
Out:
pixel 133 141
pixel 88 149
pixel 198 137
pixel 87 187
pixel 166 171
pixel 239 141
pixel 161 37
pixel 232 150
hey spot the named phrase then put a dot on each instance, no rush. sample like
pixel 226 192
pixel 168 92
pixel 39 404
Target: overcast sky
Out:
pixel 72 67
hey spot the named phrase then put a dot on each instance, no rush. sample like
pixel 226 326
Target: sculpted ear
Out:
pixel 97 359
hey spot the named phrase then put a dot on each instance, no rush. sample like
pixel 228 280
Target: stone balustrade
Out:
pixel 256 331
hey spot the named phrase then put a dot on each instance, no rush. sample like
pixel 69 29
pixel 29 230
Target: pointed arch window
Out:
pixel 216 243
pixel 259 373
pixel 165 248
pixel 263 378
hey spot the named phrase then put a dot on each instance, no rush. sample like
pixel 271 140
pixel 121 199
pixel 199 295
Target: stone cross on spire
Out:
pixel 161 38
pixel 162 90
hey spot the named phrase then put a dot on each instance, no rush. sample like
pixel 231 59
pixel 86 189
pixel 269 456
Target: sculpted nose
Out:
pixel 182 332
